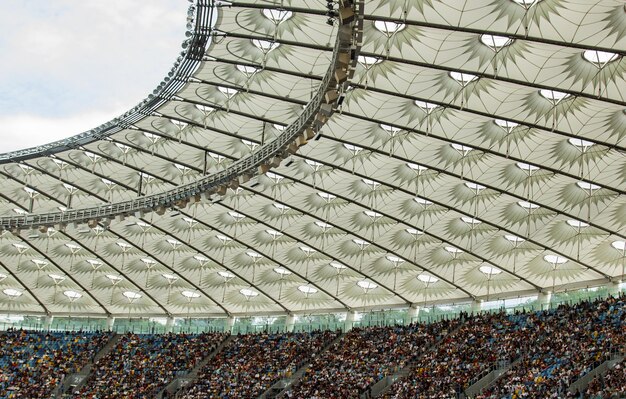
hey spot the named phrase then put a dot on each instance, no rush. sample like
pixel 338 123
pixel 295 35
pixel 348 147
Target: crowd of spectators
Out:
pixel 250 364
pixel 610 385
pixel 139 366
pixel 470 352
pixel 33 364
pixel 548 351
pixel 364 356
pixel 569 342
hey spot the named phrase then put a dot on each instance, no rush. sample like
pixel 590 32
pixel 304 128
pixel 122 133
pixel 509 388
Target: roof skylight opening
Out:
pixel 413 232
pixel 394 259
pixel 427 278
pixel 474 186
pixel 580 143
pixel 274 176
pixel 40 263
pixel 422 201
pixel 368 61
pixel 527 205
pixel 275 234
pixel 619 245
pixel 453 250
pixel 173 242
pixel 265 45
pixel 247 69
pixel 526 3
pixel 366 285
pixel 463 78
pixel 426 106
pixel 148 261
pixel 201 258
pixel 282 271
pixel 464 149
pixel 587 186
pixel 314 164
pixel 506 125
pixel 3 276
pixel 277 16
pixel 190 294
pixel 236 215
pixel 20 211
pixel 250 144
pixel 391 130
pixel 360 243
pixel 554 96
pixel 389 27
pixel 114 279
pixel 223 238
pixel 20 247
pixel 57 278
pixel 514 239
pixel 353 148
pixel 527 167
pixel 489 270
pixel 225 274
pixel 373 214
pixel 227 91
pixel 94 263
pixel 254 255
pixel 327 196
pixel 280 128
pixel 248 293
pixel 416 167
pixel 307 250
pixel 337 265
pixel 323 225
pixel 307 290
pixel 131 295
pixel 169 277
pixel 555 259
pixel 12 293
pixel 495 42
pixel 599 58
pixel 470 220
pixel 72 295
pixel 281 207
pixel 577 223
pixel 373 184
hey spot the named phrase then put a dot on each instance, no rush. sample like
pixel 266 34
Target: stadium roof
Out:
pixel 457 150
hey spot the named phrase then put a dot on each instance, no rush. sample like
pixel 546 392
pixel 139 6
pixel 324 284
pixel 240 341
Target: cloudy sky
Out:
pixel 70 65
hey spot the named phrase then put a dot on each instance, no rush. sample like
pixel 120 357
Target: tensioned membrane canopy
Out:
pixel 479 153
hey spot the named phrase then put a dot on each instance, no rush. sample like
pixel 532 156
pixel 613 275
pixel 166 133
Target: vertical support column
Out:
pixel 290 323
pixel 350 317
pixel 413 314
pixel 47 322
pixel 110 322
pixel 475 307
pixel 169 324
pixel 230 323
pixel 544 299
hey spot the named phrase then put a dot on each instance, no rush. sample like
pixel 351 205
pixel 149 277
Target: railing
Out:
pixel 245 166
pixel 183 68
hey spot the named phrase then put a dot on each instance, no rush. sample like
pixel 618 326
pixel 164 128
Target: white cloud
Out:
pixel 80 62
pixel 24 131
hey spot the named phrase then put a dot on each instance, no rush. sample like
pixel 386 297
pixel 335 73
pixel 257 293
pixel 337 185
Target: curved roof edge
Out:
pixel 199 16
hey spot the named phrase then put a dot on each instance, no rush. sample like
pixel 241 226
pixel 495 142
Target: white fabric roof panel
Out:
pixel 479 154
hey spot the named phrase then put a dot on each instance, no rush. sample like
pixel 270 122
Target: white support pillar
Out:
pixel 290 323
pixel 169 324
pixel 47 322
pixel 476 306
pixel 230 323
pixel 110 322
pixel 350 317
pixel 544 299
pixel 413 314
